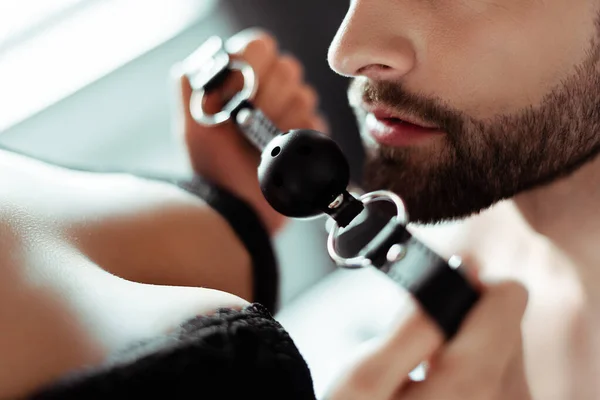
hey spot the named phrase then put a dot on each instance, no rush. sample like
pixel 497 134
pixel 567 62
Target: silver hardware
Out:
pixel 419 374
pixel 361 261
pixel 256 127
pixel 337 202
pixel 396 253
pixel 244 117
pixel 455 262
pixel 247 93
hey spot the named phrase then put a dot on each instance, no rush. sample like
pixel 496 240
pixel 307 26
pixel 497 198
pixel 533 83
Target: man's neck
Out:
pixel 567 213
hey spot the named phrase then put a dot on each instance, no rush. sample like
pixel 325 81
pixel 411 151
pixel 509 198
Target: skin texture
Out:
pixel 502 136
pixel 514 86
pixel 89 252
pixel 380 376
pixel 83 252
pixel 482 59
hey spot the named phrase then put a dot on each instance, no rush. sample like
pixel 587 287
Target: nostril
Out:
pixel 381 72
pixel 374 67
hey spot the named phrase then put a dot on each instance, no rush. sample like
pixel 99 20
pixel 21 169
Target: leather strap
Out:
pixel 442 290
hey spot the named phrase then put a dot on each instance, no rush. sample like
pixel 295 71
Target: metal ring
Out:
pixel 361 261
pixel 247 93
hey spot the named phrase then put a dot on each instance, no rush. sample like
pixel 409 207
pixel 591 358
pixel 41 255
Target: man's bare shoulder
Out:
pixel 486 232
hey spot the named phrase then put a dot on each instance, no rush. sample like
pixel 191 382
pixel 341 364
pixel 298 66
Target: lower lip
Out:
pixel 397 133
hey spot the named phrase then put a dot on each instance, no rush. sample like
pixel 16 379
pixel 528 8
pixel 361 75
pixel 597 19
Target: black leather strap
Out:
pixel 443 291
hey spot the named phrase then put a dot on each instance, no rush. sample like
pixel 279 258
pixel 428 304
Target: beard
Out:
pixel 480 162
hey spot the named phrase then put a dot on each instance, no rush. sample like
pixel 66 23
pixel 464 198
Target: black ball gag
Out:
pixel 302 172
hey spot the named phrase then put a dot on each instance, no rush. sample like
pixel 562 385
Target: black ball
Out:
pixel 301 172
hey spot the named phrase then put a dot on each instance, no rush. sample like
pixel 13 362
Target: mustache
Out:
pixel 394 96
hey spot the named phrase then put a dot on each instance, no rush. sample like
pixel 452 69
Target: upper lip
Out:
pixel 381 113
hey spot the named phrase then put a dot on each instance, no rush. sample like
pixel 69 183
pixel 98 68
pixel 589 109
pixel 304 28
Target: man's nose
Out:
pixel 371 43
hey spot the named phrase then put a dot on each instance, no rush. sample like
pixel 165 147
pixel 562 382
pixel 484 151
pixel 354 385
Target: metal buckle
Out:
pixel 207 66
pixel 361 261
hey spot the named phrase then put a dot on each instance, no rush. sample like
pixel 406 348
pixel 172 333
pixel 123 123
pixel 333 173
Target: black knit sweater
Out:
pixel 231 355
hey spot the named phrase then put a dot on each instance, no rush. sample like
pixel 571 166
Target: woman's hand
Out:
pixel 484 361
pixel 221 154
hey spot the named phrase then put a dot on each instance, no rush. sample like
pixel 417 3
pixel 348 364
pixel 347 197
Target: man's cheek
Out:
pixel 479 63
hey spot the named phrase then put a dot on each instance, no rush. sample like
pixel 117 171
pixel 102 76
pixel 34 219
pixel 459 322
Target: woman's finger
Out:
pixel 300 110
pixel 473 363
pixel 514 379
pixel 255 47
pixel 278 87
pixel 378 375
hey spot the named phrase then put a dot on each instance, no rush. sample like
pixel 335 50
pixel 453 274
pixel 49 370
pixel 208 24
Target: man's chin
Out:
pixel 422 176
pixel 430 195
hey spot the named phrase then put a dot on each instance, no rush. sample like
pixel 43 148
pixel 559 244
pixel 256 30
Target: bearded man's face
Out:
pixel 463 104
